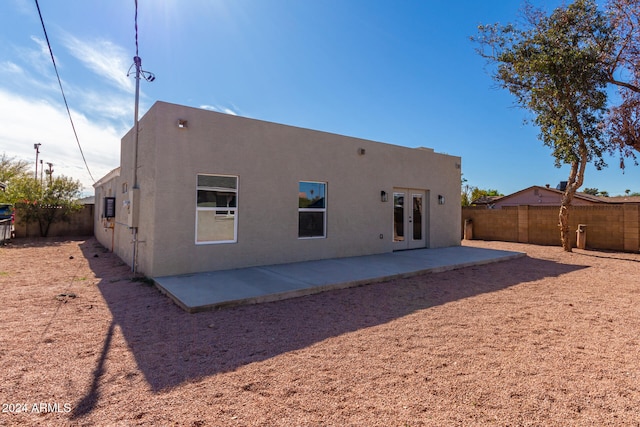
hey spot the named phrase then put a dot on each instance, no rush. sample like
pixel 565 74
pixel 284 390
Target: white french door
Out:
pixel 409 218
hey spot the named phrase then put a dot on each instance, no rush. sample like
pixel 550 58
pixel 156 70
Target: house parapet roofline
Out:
pixel 115 172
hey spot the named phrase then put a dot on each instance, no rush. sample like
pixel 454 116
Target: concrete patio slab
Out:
pixel 209 290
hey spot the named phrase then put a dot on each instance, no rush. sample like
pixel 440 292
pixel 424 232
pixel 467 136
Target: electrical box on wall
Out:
pixel 109 207
pixel 133 207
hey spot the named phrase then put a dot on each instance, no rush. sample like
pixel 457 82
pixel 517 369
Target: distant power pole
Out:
pixel 50 173
pixel 37 147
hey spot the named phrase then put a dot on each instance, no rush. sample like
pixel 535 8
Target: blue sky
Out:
pixel 401 72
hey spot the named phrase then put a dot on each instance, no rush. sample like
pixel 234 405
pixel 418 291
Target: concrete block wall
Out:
pixel 81 224
pixel 543 225
pixel 499 224
pixel 611 227
pixel 631 225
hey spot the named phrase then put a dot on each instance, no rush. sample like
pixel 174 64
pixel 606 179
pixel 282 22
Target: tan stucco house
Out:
pixel 216 191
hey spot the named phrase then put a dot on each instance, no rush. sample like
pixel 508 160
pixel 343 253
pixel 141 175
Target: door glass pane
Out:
pixel 417 217
pixel 398 217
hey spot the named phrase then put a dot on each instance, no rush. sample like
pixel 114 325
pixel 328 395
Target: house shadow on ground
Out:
pixel 171 346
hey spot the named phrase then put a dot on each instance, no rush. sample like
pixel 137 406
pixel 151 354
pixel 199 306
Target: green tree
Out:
pixel 465 193
pixel 553 66
pixel 591 191
pixel 622 67
pixel 11 168
pixel 45 203
pixel 477 193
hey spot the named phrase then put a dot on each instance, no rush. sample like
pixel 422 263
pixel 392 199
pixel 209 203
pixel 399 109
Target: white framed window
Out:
pixel 312 209
pixel 216 209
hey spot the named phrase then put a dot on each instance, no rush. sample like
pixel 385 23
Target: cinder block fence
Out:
pixel 611 227
pixel 81 224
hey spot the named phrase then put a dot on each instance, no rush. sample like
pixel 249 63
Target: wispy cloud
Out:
pixel 220 109
pixel 10 67
pixel 104 58
pixel 36 59
pixel 25 121
pixel 29 72
pixel 32 108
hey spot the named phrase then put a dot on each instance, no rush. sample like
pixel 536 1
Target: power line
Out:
pixel 136 25
pixel 55 67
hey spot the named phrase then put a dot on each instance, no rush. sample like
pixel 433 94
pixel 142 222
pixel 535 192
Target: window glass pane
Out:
pixel 216 208
pixel 214 199
pixel 310 224
pixel 311 195
pixel 216 181
pixel 215 226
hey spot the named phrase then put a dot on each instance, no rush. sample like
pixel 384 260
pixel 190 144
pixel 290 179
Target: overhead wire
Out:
pixel 55 67
pixel 136 25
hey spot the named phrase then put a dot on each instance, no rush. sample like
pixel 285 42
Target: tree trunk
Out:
pixel 563 217
pixel 576 178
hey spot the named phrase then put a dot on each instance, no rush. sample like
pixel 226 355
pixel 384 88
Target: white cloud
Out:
pixel 44 48
pixel 104 58
pixel 36 59
pixel 101 101
pixel 24 122
pixel 219 109
pixel 10 67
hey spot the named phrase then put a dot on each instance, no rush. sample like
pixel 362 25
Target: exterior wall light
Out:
pixel 383 196
pixel 440 199
pixel 182 124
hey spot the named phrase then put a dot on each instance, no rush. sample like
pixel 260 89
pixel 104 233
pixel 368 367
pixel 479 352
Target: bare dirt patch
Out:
pixel 549 339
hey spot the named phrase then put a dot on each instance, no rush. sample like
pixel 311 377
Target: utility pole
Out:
pixel 135 194
pixel 50 173
pixel 41 170
pixel 148 76
pixel 37 147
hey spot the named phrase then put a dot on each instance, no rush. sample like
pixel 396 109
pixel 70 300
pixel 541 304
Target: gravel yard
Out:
pixel 549 339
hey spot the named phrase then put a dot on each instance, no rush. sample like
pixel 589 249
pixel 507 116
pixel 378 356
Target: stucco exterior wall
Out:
pixel 113 233
pixel 270 160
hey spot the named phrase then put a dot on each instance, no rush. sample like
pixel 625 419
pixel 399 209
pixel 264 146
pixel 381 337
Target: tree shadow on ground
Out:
pixel 171 346
pixel 608 254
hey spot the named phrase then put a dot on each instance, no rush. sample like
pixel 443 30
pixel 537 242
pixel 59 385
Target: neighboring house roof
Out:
pixel 89 200
pixel 486 200
pixel 544 196
pixel 621 199
pixel 541 196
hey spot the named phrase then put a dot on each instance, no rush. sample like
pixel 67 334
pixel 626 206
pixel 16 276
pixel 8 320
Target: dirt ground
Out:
pixel 548 339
